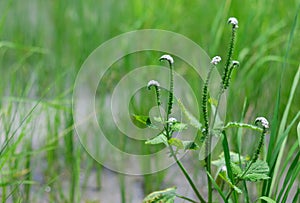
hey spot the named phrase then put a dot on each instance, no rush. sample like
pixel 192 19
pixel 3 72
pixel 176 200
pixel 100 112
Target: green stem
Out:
pixel 171 100
pixel 208 149
pixel 186 198
pixel 242 125
pixel 206 133
pixel 185 173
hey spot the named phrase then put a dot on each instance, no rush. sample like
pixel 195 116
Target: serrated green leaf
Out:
pixel 190 145
pixel 236 169
pixel 176 142
pixel 178 126
pixel 267 199
pixel 256 177
pixel 161 138
pixel 166 196
pixel 192 120
pixel 259 170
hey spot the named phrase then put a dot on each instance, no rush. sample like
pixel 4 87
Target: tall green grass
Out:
pixel 44 43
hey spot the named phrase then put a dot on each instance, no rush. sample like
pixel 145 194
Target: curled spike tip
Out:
pixel 167 57
pixel 233 21
pixel 264 122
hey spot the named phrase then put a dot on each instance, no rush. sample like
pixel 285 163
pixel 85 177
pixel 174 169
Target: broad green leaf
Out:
pixel 165 196
pixel 178 126
pixel 190 145
pixel 267 199
pixel 192 120
pixel 176 142
pixel 259 170
pixel 161 138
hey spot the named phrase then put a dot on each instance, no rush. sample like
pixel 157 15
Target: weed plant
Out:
pixel 234 169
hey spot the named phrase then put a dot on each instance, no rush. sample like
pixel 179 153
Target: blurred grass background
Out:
pixel 44 43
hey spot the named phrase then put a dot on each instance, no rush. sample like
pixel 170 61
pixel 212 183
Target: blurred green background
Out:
pixel 44 43
pixel 51 38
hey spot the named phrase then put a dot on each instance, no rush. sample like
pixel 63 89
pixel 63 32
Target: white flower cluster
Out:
pixel 168 58
pixel 215 60
pixel 233 21
pixel 264 122
pixel 235 63
pixel 172 120
pixel 152 83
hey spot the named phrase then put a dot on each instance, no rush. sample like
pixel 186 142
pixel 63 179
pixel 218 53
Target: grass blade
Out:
pixel 298 132
pixel 281 129
pixel 217 187
pixel 288 178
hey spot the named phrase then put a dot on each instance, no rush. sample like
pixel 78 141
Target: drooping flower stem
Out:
pixel 205 132
pixel 226 73
pixel 157 90
pixel 171 90
pixel 234 64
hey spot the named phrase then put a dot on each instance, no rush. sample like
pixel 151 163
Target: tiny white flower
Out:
pixel 168 58
pixel 172 120
pixel 264 122
pixel 233 21
pixel 215 60
pixel 152 83
pixel 223 168
pixel 235 63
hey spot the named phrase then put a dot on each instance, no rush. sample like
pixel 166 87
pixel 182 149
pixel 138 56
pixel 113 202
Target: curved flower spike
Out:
pixel 152 83
pixel 235 64
pixel 215 60
pixel 264 122
pixel 168 58
pixel 233 21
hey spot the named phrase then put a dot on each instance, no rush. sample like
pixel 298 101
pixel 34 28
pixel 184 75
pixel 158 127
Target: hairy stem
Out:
pixel 206 133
